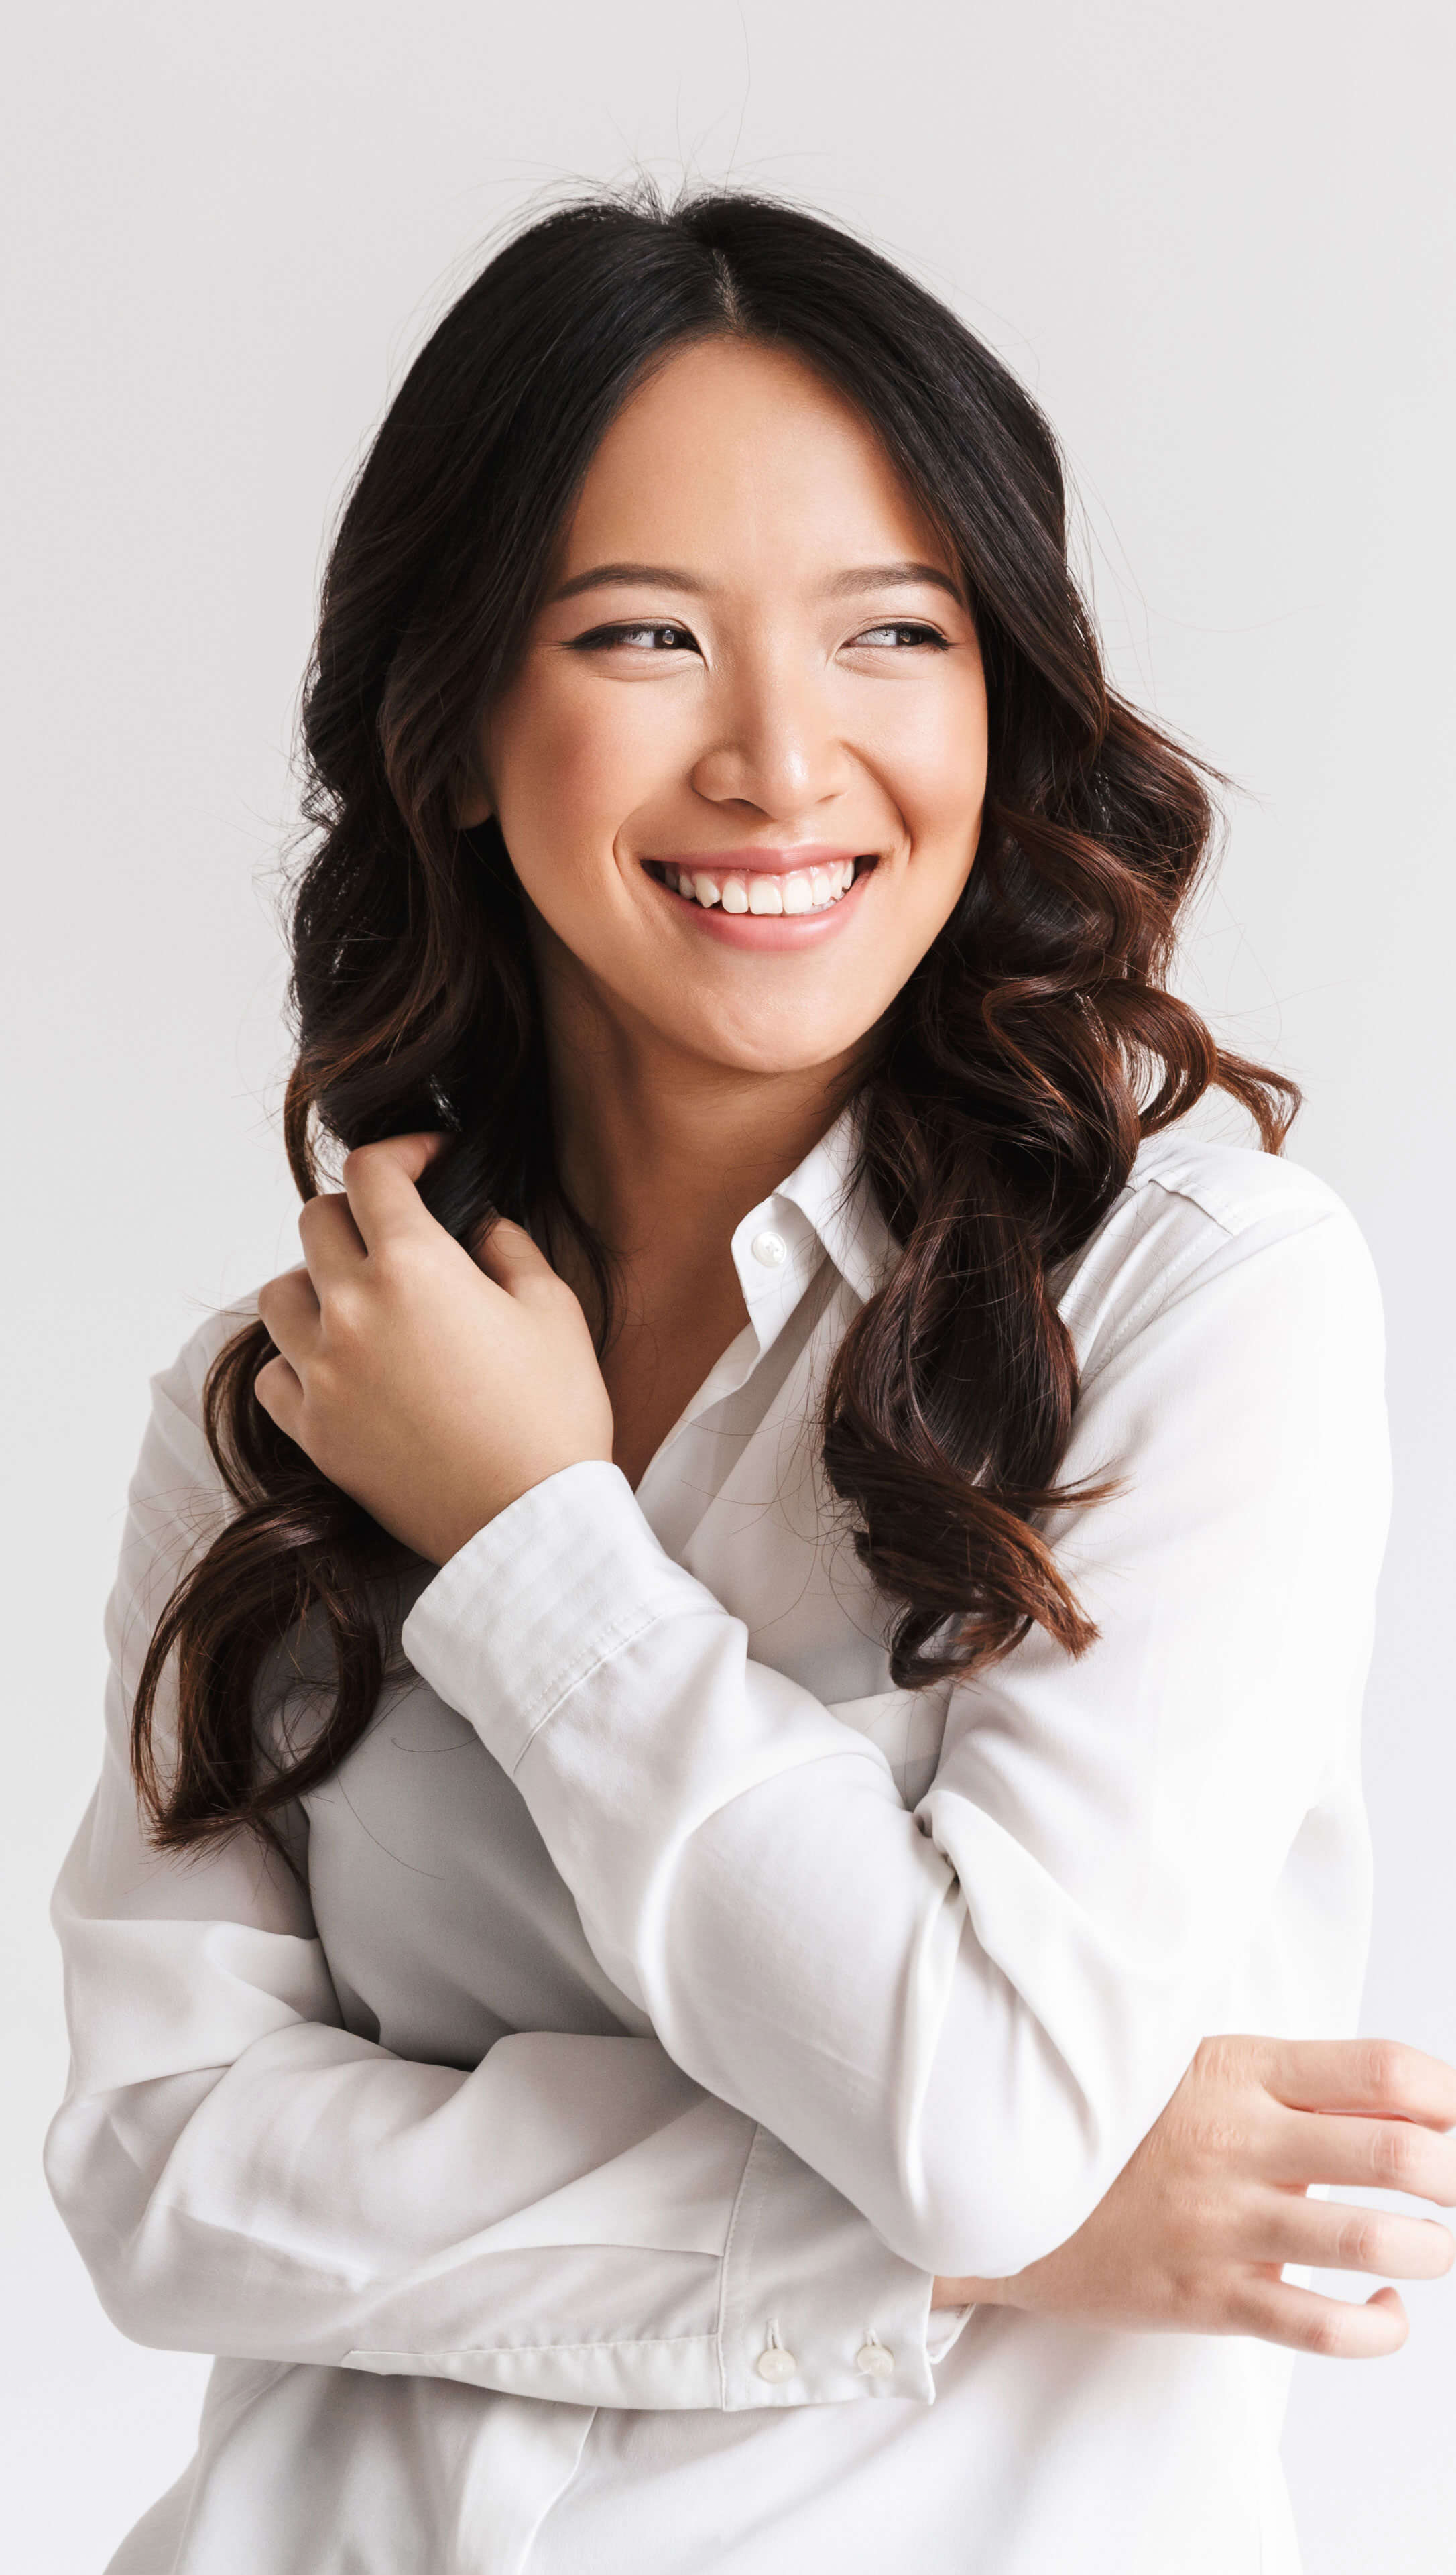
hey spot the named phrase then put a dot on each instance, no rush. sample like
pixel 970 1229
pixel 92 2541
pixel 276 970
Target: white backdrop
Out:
pixel 1215 242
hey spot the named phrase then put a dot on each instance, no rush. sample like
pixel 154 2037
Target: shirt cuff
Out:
pixel 815 2309
pixel 562 1579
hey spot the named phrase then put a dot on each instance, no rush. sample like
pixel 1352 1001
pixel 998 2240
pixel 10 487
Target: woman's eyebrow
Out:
pixel 647 576
pixel 889 577
pixel 860 577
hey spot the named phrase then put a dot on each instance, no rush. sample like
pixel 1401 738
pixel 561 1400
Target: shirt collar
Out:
pixel 816 1210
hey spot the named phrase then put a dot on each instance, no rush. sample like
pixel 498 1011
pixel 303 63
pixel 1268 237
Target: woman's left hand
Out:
pixel 431 1384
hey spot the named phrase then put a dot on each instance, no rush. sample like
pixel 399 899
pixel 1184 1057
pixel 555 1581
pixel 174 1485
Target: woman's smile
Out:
pixel 767 898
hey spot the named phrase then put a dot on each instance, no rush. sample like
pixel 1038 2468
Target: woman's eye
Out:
pixel 902 631
pixel 649 634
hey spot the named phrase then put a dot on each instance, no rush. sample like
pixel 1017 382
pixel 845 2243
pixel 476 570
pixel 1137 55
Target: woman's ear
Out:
pixel 473 803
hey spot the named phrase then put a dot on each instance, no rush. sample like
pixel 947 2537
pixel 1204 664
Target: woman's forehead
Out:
pixel 733 456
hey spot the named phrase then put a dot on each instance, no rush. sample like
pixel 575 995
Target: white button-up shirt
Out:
pixel 561 2168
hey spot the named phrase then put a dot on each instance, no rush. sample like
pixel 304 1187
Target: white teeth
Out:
pixel 801 890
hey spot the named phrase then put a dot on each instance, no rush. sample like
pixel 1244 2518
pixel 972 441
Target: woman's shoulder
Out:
pixel 1227 1223
pixel 1229 1188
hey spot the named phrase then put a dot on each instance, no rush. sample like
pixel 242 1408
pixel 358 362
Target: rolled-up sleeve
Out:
pixel 966 2017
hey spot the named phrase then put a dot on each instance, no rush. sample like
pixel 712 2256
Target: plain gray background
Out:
pixel 1217 243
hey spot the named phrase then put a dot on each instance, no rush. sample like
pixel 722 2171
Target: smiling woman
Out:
pixel 733 1739
pixel 802 647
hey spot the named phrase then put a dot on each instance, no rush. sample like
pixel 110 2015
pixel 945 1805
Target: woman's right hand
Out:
pixel 1193 2233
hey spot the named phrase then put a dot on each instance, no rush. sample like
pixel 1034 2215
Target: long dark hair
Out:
pixel 1013 1078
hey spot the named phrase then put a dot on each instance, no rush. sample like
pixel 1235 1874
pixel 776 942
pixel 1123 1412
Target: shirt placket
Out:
pixel 775 1252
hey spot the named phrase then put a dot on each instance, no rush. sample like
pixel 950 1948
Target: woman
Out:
pixel 714 1697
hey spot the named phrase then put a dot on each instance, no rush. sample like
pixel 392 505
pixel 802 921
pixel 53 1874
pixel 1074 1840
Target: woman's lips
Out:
pixel 738 895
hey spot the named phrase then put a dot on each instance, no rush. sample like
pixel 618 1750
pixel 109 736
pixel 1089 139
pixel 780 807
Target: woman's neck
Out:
pixel 665 1153
pixel 666 1164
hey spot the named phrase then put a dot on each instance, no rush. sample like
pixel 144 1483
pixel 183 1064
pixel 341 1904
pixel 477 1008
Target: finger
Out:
pixel 1393 2303
pixel 279 1390
pixel 1302 2320
pixel 1379 2076
pixel 1384 2154
pixel 287 1308
pixel 333 1244
pixel 507 1254
pixel 380 1184
pixel 1330 2235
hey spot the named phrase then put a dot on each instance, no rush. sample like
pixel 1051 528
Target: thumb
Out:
pixel 414 1153
pixel 379 1182
pixel 507 1254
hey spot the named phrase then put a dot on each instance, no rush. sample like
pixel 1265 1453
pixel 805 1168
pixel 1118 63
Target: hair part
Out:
pixel 1012 1080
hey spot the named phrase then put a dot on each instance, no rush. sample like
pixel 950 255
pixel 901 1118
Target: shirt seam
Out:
pixel 724 2273
pixel 504 2350
pixel 1166 1288
pixel 1171 1189
pixel 1151 1303
pixel 615 1642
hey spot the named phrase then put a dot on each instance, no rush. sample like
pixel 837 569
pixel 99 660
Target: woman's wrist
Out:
pixel 969 2293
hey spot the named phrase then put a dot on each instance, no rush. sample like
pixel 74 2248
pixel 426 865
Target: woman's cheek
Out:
pixel 576 770
pixel 937 778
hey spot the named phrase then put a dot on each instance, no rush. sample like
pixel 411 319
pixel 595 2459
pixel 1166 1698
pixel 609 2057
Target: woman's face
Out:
pixel 755 675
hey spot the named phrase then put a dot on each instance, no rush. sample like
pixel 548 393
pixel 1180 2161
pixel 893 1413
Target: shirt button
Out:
pixel 776 2364
pixel 770 1247
pixel 873 2361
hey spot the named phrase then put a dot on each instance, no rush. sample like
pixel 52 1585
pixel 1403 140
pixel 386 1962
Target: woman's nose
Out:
pixel 774 747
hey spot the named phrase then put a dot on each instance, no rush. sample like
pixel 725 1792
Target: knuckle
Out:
pixel 314 1211
pixel 1228 2061
pixel 1219 2138
pixel 270 1387
pixel 1385 2070
pixel 396 1266
pixel 1395 2157
pixel 1231 2137
pixel 343 1322
pixel 328 1386
pixel 1211 2059
pixel 1206 2211
pixel 1360 2242
pixel 1327 2335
